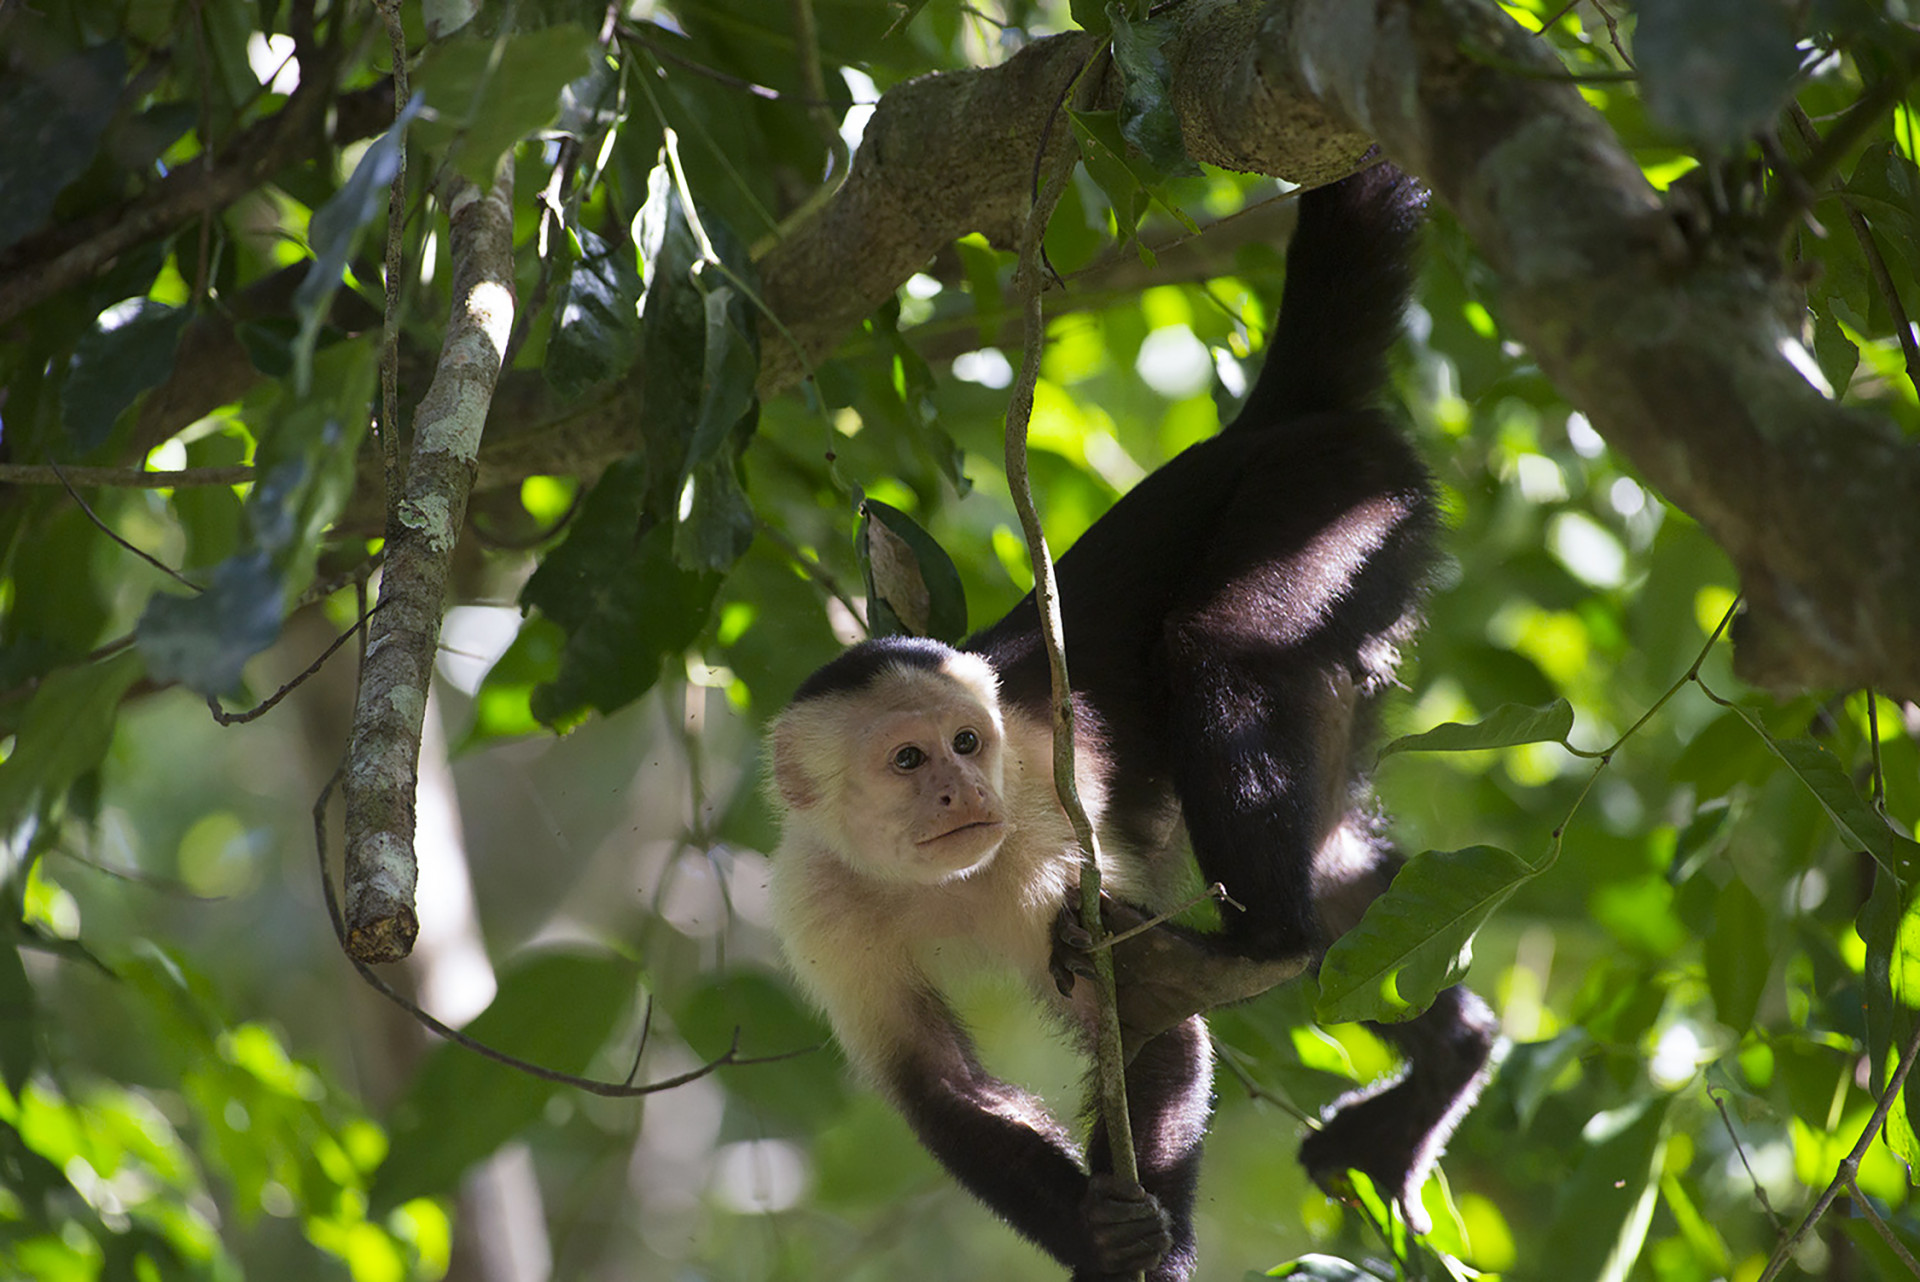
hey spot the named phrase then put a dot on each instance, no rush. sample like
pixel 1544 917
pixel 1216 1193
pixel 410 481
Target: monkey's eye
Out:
pixel 966 743
pixel 908 757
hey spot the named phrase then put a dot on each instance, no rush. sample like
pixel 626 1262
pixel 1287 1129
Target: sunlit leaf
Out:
pixel 1505 727
pixel 1417 937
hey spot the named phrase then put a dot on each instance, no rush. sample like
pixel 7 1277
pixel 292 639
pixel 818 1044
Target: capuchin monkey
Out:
pixel 1228 623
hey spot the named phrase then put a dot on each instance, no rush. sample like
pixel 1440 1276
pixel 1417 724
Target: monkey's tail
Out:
pixel 1350 269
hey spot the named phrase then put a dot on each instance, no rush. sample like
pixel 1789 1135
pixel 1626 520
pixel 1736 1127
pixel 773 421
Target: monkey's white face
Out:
pixel 903 780
pixel 922 800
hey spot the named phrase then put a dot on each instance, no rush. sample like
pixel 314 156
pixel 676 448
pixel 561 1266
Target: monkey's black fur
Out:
pixel 1228 623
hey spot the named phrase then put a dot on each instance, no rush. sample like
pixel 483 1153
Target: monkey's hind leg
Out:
pixel 1394 1131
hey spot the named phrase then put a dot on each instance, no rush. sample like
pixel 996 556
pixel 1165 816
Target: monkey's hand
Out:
pixel 1127 1229
pixel 1164 975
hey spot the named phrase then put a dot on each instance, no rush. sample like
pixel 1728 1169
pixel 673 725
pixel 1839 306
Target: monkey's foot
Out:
pixel 1356 1138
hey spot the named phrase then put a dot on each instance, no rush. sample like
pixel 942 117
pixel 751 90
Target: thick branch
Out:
pixel 1678 353
pixel 422 530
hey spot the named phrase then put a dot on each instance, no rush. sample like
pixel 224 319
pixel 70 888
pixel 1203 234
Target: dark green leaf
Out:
pixel 1507 726
pixel 1532 1071
pixel 336 228
pixel 204 641
pixel 1147 118
pixel 912 585
pixel 555 1009
pixel 596 329
pixel 1717 71
pixel 1737 955
pixel 63 735
pixel 1824 776
pixel 1601 1217
pixel 1102 152
pixel 1833 350
pixel 615 589
pixel 493 93
pixel 1885 186
pixel 19 1019
pixel 1417 937
pixel 129 350
pixel 51 121
pixel 1723 753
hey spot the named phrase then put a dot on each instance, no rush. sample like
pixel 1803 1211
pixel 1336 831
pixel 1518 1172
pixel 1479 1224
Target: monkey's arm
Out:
pixel 1011 1153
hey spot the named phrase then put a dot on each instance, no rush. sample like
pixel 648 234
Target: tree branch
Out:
pixel 423 528
pixel 1687 358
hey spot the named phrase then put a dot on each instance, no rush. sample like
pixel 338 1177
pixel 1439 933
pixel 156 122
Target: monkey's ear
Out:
pixel 797 788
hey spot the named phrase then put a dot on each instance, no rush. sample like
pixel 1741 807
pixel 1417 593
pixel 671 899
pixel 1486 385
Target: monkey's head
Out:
pixel 892 757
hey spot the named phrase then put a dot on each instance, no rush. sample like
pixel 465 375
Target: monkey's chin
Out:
pixel 959 853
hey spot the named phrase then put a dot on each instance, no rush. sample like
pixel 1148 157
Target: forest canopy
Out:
pixel 436 439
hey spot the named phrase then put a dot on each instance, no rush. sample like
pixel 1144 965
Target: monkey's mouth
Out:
pixel 977 827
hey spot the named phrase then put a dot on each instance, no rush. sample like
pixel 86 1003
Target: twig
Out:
pixel 111 533
pixel 731 1057
pixel 1110 1055
pixel 226 718
pixel 1216 891
pixel 395 263
pixel 126 478
pixel 1849 1168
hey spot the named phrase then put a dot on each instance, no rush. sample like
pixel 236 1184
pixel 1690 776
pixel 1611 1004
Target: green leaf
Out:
pixel 554 1009
pixel 1324 1268
pixel 63 736
pixel 1737 956
pixel 701 355
pixel 336 228
pixel 304 475
pixel 1889 924
pixel 1147 118
pixel 1507 726
pixel 1833 350
pixel 1417 937
pixel 1717 71
pixel 596 333
pixel 1097 133
pixel 19 1016
pixel 129 350
pixel 615 589
pixel 1601 1216
pixel 763 1017
pixel 1885 187
pixel 912 584
pixel 51 123
pixel 204 641
pixel 490 94
pixel 1722 754
pixel 1827 780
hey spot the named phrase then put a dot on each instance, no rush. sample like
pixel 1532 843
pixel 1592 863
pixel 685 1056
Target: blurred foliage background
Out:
pixel 196 1085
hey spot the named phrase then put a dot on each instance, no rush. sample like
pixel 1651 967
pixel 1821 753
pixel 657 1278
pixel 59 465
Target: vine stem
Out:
pixel 1109 1056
